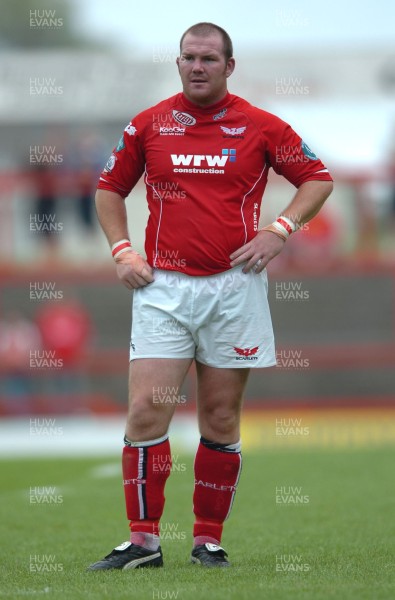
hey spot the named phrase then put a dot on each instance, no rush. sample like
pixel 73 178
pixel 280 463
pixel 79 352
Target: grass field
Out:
pixel 329 532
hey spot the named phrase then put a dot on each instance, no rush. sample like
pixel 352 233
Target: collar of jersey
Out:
pixel 206 109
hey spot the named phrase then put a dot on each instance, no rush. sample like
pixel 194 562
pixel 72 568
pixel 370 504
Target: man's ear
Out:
pixel 230 67
pixel 178 63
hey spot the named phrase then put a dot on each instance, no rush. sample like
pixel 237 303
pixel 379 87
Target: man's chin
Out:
pixel 199 96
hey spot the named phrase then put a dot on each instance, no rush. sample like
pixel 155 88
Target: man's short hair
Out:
pixel 205 29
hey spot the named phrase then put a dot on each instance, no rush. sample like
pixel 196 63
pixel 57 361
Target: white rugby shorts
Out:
pixel 220 320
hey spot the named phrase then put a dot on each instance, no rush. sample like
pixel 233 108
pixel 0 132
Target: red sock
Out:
pixel 217 472
pixel 146 467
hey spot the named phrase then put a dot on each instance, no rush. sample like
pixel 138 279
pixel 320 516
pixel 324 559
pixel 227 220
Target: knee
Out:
pixel 219 422
pixel 145 420
pixel 139 418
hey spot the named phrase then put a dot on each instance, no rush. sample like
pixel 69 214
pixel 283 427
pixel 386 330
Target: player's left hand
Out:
pixel 257 252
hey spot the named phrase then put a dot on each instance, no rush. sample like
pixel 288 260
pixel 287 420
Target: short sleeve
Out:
pixel 126 163
pixel 292 158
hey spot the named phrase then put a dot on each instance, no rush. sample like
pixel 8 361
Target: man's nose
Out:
pixel 197 65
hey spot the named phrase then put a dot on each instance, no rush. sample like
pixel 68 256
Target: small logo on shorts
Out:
pixel 246 353
pixel 133 347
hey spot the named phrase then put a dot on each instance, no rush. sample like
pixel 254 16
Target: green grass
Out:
pixel 344 534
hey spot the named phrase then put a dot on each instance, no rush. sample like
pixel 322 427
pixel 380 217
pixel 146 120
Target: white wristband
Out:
pixel 285 225
pixel 120 247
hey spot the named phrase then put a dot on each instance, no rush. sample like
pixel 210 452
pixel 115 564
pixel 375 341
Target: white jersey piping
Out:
pixel 242 204
pixel 160 215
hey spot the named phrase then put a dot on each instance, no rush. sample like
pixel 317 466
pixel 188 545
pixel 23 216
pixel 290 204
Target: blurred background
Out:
pixel 72 76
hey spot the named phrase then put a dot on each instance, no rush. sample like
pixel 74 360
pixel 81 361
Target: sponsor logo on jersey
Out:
pixel 233 132
pixel 171 130
pixel 184 118
pixel 110 163
pixel 220 115
pixel 307 152
pixel 121 144
pixel 130 129
pixel 203 163
pixel 231 152
pixel 246 353
pixel 197 160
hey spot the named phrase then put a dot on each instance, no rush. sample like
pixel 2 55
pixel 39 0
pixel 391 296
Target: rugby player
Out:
pixel 201 292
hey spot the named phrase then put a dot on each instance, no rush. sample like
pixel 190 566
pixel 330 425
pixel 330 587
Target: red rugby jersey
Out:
pixel 205 171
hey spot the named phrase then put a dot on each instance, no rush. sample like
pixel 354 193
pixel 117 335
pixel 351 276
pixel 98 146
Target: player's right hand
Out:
pixel 133 270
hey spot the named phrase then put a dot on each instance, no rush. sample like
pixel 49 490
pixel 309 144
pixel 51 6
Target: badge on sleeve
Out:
pixel 307 152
